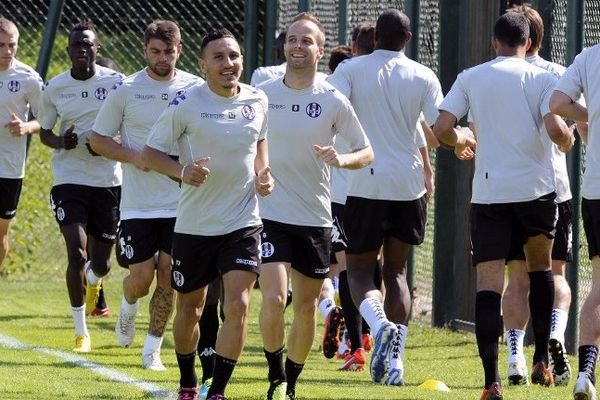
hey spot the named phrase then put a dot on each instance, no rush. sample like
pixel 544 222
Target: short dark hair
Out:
pixel 536 24
pixel 392 30
pixel 166 31
pixel 339 54
pixel 360 27
pixel 215 34
pixel 84 26
pixel 512 29
pixel 365 41
pixel 279 43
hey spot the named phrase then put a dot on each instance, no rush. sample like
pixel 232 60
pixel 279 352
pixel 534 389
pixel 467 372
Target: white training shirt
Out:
pixel 583 77
pixel 131 110
pixel 299 119
pixel 263 74
pixel 389 91
pixel 20 89
pixel 227 130
pixel 507 98
pixel 76 102
pixel 559 159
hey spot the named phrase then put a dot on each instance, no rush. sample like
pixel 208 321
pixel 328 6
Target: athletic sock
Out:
pixel 152 344
pixel 90 276
pixel 209 327
pixel 352 317
pixel 559 324
pixel 488 325
pixel 514 344
pixel 79 320
pixel 541 299
pixel 129 308
pixel 292 372
pixel 187 371
pixel 101 303
pixel 398 344
pixel 372 311
pixel 275 362
pixel 325 306
pixel 588 356
pixel 223 370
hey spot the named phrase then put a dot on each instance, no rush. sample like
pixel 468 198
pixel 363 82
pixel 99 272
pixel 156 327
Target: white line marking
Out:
pixel 154 391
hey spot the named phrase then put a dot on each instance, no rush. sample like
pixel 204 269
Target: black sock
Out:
pixel 588 355
pixel 101 303
pixel 209 327
pixel 223 370
pixel 541 300
pixel 187 370
pixel 275 362
pixel 352 316
pixel 487 329
pixel 292 371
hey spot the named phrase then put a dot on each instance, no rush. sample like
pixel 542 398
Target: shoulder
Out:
pixel 186 77
pixel 251 92
pixel 59 80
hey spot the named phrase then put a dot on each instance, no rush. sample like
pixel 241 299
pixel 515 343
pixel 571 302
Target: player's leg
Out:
pixel 10 191
pixel 4 243
pixel 209 327
pixel 332 315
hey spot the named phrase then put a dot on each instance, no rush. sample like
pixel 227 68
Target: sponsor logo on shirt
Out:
pixel 231 115
pixel 295 107
pixel 1 84
pixel 101 93
pixel 244 261
pixel 84 94
pixel 276 106
pixel 66 95
pixel 144 96
pixel 14 86
pixel 211 116
pixel 248 112
pixel 313 110
pixel 164 96
pixel 321 270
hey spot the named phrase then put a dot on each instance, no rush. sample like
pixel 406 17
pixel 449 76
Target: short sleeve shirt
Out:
pixel 298 120
pixel 227 130
pixel 20 90
pixel 76 103
pixel 389 92
pixel 131 110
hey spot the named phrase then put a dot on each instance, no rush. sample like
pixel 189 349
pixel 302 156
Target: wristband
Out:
pixel 182 173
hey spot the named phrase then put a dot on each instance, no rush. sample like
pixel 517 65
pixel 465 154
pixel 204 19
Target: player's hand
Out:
pixel 68 140
pixel 16 126
pixel 264 182
pixel 568 143
pixel 465 144
pixel 329 155
pixel 429 184
pixel 196 173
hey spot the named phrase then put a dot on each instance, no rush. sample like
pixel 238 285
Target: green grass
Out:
pixel 37 314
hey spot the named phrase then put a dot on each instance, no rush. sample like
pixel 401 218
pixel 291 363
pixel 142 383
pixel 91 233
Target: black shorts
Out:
pixel 563 239
pixel 10 191
pixel 306 248
pixel 138 238
pixel 198 260
pixel 368 221
pixel 497 227
pixel 590 211
pixel 96 208
pixel 339 241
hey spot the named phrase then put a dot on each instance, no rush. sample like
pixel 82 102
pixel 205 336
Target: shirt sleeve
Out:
pixel 433 99
pixel 340 79
pixel 456 101
pixel 34 94
pixel 420 139
pixel 571 83
pixel 349 128
pixel 48 115
pixel 550 84
pixel 168 128
pixel 264 102
pixel 110 116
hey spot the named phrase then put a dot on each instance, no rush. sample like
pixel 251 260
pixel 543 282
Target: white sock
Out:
pixel 127 308
pixel 79 320
pixel 397 352
pixel 152 344
pixel 559 324
pixel 514 344
pixel 336 284
pixel 372 311
pixel 325 306
pixel 92 279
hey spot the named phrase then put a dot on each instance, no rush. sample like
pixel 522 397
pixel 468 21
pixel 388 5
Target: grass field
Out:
pixel 36 336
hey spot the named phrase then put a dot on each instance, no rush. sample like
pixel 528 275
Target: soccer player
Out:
pixel 263 74
pixel 86 189
pixel 583 77
pixel 514 310
pixel 220 128
pixel 305 114
pixel 20 93
pixel 149 201
pixel 513 190
pixel 386 203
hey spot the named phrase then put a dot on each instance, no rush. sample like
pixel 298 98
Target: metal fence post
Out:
pixel 342 22
pixel 271 7
pixel 54 14
pixel 250 38
pixel 304 5
pixel 412 9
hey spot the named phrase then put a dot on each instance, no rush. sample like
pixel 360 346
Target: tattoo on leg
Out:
pixel 161 308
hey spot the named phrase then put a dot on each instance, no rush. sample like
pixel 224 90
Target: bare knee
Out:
pixel 305 309
pixel 273 303
pixel 236 309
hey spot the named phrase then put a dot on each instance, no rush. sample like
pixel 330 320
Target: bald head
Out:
pixel 392 30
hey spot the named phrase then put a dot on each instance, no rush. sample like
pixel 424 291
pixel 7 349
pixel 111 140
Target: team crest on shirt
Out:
pixel 178 278
pixel 2 84
pixel 101 93
pixel 313 110
pixel 266 249
pixel 14 86
pixel 248 112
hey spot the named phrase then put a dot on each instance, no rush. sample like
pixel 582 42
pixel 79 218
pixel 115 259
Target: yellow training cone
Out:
pixel 432 384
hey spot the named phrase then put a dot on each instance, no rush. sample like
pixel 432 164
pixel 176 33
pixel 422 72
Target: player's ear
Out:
pixel 179 49
pixel 202 65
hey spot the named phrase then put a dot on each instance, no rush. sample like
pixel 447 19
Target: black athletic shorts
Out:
pixel 497 227
pixel 590 211
pixel 10 191
pixel 139 238
pixel 563 239
pixel 96 208
pixel 368 221
pixel 198 260
pixel 306 248
pixel 339 241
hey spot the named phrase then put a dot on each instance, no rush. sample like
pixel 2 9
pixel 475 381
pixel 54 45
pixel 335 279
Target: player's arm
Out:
pixel 17 127
pixel 430 138
pixel 563 105
pixel 559 132
pixel 582 130
pixel 263 181
pixel 107 146
pixel 428 175
pixel 48 119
